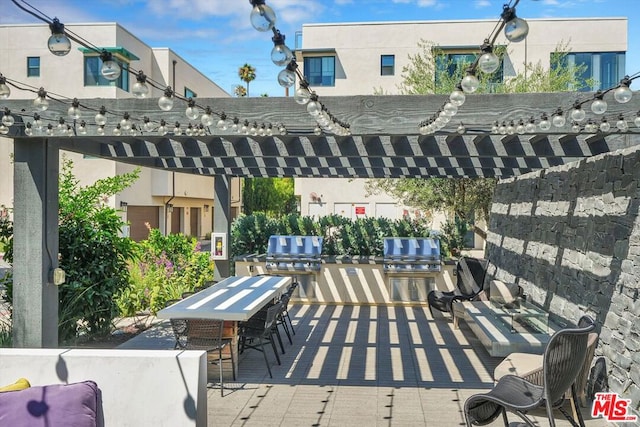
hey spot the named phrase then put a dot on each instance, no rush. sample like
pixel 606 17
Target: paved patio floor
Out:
pixel 356 366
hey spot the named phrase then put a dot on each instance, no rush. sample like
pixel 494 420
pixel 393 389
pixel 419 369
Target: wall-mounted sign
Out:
pixel 219 246
pixel 360 210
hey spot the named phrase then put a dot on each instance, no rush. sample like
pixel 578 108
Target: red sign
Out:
pixel 360 210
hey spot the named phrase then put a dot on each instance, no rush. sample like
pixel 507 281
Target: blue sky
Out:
pixel 216 36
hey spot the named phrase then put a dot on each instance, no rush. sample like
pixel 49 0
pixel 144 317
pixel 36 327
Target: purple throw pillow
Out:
pixel 58 405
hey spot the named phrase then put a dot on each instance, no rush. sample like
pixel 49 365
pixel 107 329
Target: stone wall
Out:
pixel 570 236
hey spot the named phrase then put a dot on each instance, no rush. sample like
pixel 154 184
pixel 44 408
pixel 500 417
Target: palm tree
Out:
pixel 240 91
pixel 247 74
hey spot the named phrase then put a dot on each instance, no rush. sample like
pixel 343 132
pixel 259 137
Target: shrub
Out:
pixel 164 268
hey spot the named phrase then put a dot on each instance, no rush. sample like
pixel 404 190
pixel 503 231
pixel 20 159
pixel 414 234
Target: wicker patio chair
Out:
pixel 562 362
pixel 207 335
pixel 179 328
pixel 252 332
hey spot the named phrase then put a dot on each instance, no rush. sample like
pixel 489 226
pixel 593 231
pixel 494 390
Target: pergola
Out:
pixel 385 143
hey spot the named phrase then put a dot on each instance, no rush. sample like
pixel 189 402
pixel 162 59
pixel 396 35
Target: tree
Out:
pixel 240 91
pixel 247 74
pixel 431 72
pixel 273 196
pixel 92 254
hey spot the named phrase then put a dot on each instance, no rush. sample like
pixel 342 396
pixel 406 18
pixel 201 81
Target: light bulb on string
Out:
pixel 457 97
pixel 165 102
pixel 622 93
pixel 235 127
pixel 176 129
pixel 605 126
pixel 28 130
pixel 82 128
pixel 70 131
pixel 622 124
pixel 207 117
pixel 162 129
pixel 254 129
pixel 100 130
pixel 521 129
pixel 287 77
pixel 192 112
pixel 317 131
pixel 577 113
pixel 302 94
pixel 515 29
pixel 530 127
pixel 494 128
pixel 37 122
pixel 41 103
pixel 74 111
pixel 222 123
pixel 470 82
pixel 502 129
pixel 110 69
pixel 511 129
pixel 544 124
pixel 5 90
pixel 117 131
pixel 262 17
pixel 133 131
pixel 450 109
pixel 575 127
pixel 281 55
pixel 49 130
pixel 461 129
pixel 140 88
pixel 636 120
pixel 126 123
pixel 62 127
pixel 558 119
pixel 599 105
pixel 244 129
pixel 590 127
pixel 314 107
pixel 7 118
pixel 101 117
pixel 58 44
pixel 147 124
pixel 488 61
pixel 3 129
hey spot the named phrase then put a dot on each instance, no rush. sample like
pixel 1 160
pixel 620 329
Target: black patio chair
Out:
pixel 471 273
pixel 179 328
pixel 562 362
pixel 250 332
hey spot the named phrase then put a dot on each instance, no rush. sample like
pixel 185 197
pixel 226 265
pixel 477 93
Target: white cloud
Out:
pixel 482 3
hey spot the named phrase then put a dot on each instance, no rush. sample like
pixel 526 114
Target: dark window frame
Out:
pixel 33 70
pixel 387 69
pixel 188 93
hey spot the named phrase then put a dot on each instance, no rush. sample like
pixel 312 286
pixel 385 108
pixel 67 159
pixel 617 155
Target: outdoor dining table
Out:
pixel 234 299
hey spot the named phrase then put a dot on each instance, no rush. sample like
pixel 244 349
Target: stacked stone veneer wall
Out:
pixel 570 236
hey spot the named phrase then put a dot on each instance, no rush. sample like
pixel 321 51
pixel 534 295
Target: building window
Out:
pixel 455 64
pixel 93 77
pixel 33 66
pixel 601 70
pixel 387 65
pixel 188 93
pixel 320 70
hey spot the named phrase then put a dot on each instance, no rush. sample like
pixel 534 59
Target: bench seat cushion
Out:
pixel 68 405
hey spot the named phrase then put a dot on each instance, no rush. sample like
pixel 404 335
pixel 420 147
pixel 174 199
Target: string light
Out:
pixel 599 105
pixel 5 91
pixel 192 112
pixel 262 17
pixel 7 118
pixel 140 89
pixel 515 29
pixel 74 111
pixel 41 103
pixel 623 93
pixel 59 44
pixel 165 102
pixel 281 55
pixel 110 69
pixel 489 61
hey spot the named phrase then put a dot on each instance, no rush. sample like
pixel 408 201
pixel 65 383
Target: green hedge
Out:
pixel 342 236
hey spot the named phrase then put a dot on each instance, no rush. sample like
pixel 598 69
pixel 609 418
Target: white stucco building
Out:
pixel 172 202
pixel 341 59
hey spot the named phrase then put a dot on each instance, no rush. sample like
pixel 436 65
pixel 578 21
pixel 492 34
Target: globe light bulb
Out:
pixel 125 123
pixel 110 69
pixel 117 131
pixel 41 103
pixel 511 129
pixel 262 17
pixel 317 131
pixel 8 119
pixel 521 129
pixel 578 114
pixel 515 29
pixel 461 129
pixel 58 44
pixel 147 125
pixel 457 97
pixel 622 124
pixel 622 93
pixel 100 130
pixel 286 78
pixel 502 129
pixel 207 119
pixel 162 129
pixel 73 112
pixel 544 124
pixel 604 125
pixel 37 123
pixel 636 121
pixel 281 55
pixel 3 129
pixel 235 127
pixel 599 106
pixel 177 130
pixel 140 89
pixel 450 109
pixel 302 95
pixel 222 123
pixel 165 102
pixel 192 112
pixel 558 119
pixel 28 130
pixel 494 128
pixel 101 117
pixel 82 129
pixel 488 61
pixel 575 127
pixel 5 91
pixel 530 127
pixel 470 82
pixel 314 108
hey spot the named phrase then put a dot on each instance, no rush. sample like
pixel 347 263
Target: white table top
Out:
pixel 234 298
